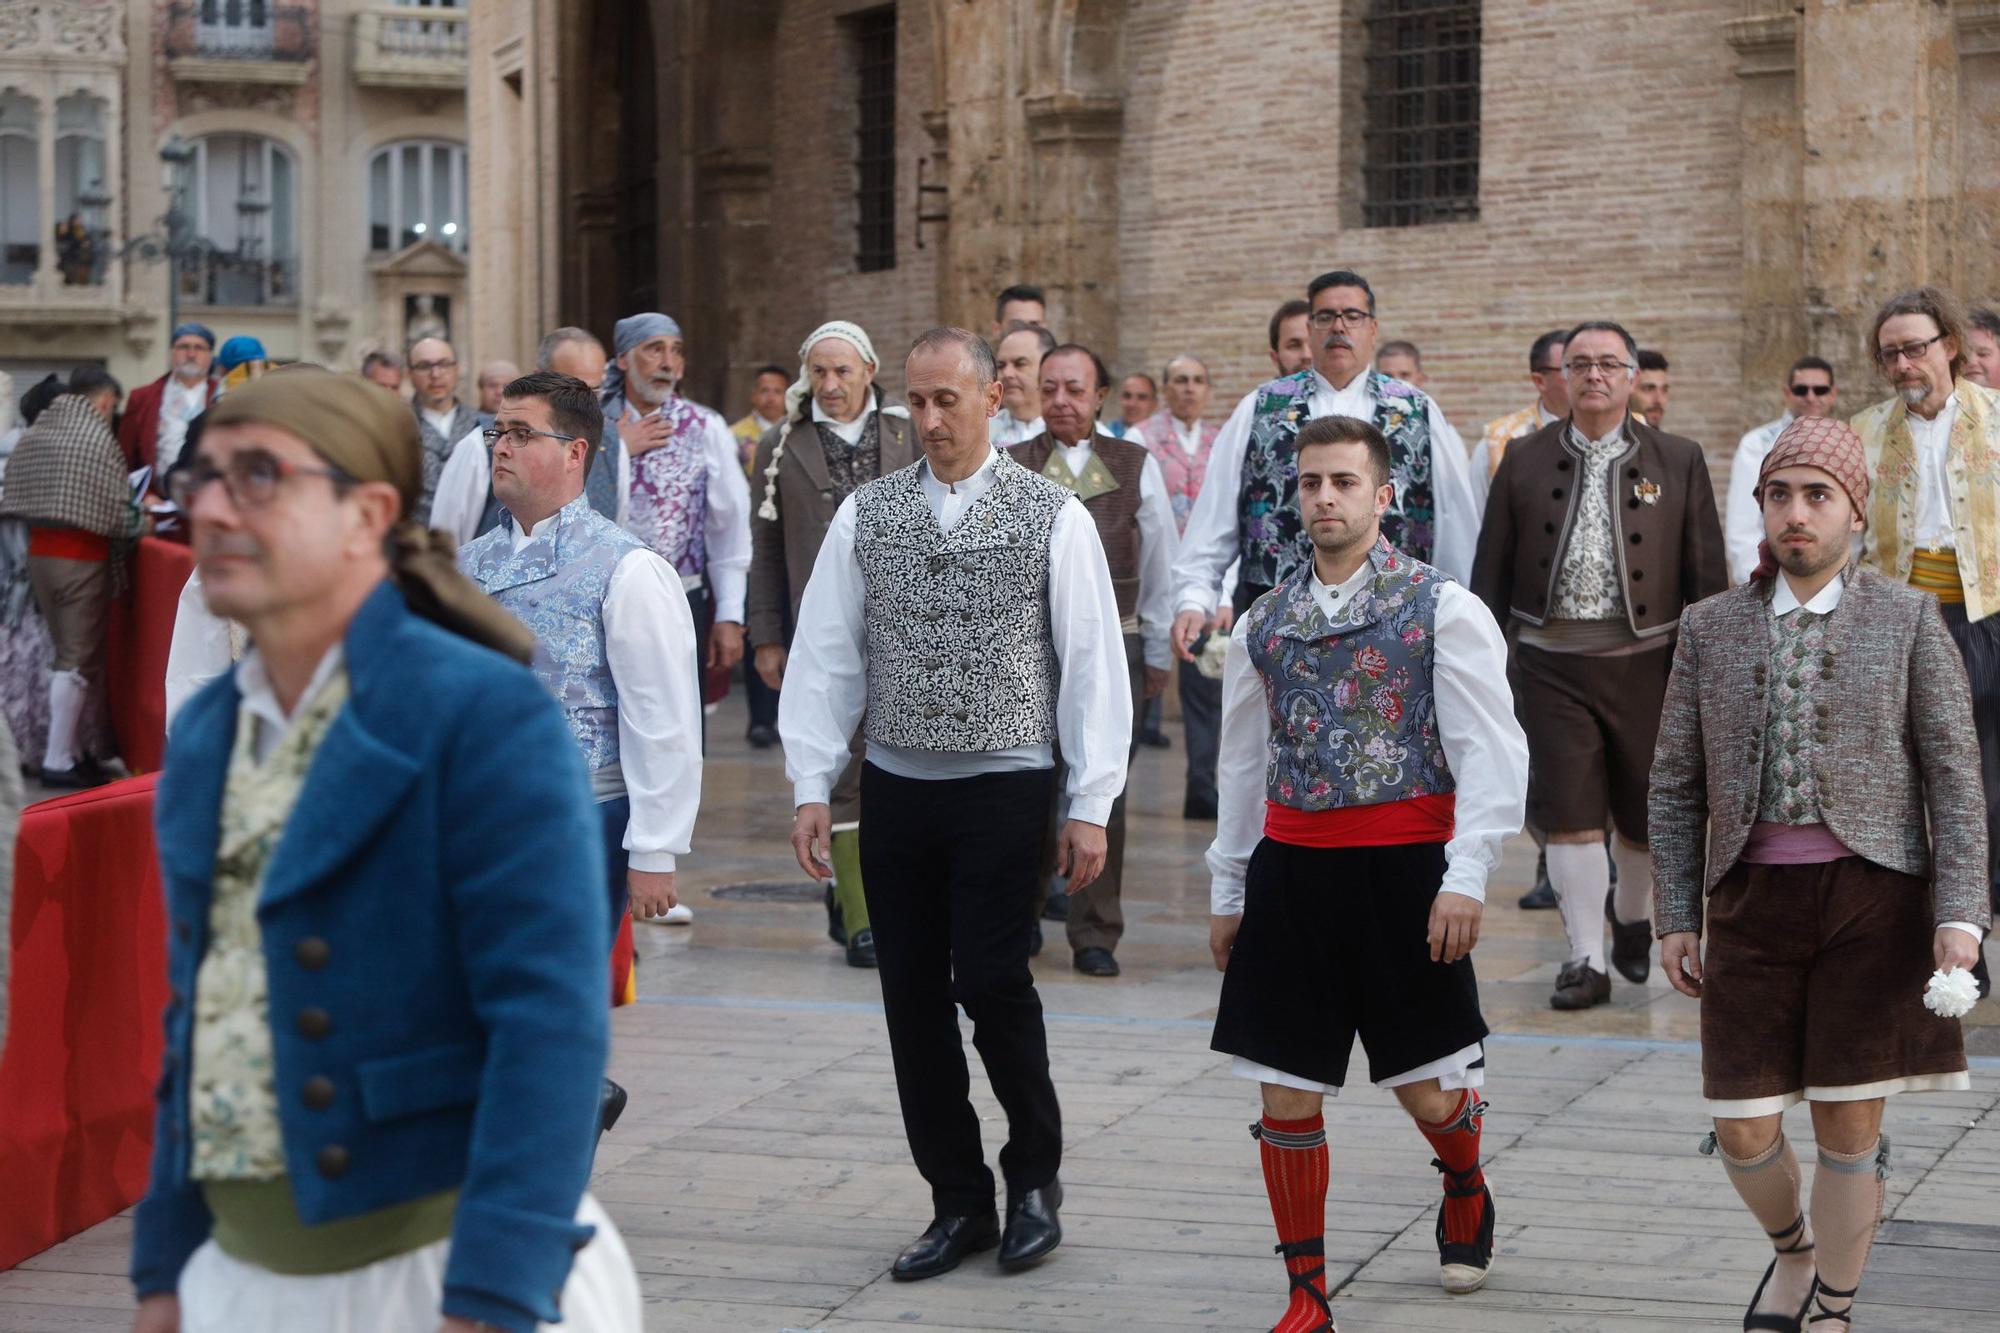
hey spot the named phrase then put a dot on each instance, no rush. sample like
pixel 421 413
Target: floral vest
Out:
pixel 1353 710
pixel 556 585
pixel 1271 540
pixel 668 510
pixel 960 657
pixel 1972 471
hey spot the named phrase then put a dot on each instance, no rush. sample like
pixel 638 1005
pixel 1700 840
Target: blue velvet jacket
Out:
pixel 437 895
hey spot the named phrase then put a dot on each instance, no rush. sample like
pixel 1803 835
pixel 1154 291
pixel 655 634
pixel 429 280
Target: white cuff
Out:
pixel 651 863
pixel 1090 810
pixel 811 791
pixel 1978 935
pixel 1225 897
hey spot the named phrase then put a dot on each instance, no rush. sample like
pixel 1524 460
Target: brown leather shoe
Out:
pixel 1580 986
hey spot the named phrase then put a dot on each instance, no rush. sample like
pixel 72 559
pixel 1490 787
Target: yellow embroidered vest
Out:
pixel 1972 467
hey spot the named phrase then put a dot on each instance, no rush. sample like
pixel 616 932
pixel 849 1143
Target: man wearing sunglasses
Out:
pixel 1809 392
pixel 1934 515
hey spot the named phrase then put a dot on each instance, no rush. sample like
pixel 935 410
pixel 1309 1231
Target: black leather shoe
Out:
pixel 1156 740
pixel 836 926
pixel 762 737
pixel 610 1105
pixel 861 949
pixel 77 777
pixel 1033 1229
pixel 1580 986
pixel 1632 949
pixel 1538 899
pixel 1095 963
pixel 1057 907
pixel 944 1243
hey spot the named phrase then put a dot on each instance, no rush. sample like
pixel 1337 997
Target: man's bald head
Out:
pixel 434 374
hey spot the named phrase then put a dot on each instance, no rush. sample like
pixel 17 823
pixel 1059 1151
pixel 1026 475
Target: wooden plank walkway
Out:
pixel 762 1183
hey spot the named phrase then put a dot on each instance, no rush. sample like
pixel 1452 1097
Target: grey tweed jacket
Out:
pixel 1894 740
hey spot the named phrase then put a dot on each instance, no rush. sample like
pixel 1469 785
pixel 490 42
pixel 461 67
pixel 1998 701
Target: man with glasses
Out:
pixel 1934 514
pixel 1545 372
pixel 1248 507
pixel 442 420
pixel 1809 392
pixel 1599 529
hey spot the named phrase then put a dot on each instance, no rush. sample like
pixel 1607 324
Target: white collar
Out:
pixel 524 535
pixel 1338 594
pixel 1944 414
pixel 1361 383
pixel 260 699
pixel 848 431
pixel 976 481
pixel 1784 600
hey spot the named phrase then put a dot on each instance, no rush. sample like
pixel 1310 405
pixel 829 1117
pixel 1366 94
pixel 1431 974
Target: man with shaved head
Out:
pixel 442 420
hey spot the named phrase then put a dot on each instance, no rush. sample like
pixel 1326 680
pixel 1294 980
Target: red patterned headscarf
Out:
pixel 1828 444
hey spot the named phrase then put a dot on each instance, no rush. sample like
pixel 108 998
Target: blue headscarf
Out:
pixel 238 350
pixel 628 333
pixel 201 331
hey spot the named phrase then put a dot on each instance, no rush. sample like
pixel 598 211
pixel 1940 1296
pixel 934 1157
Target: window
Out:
pixel 20 189
pixel 1422 107
pixel 81 197
pixel 875 140
pixel 417 190
pixel 421 36
pixel 233 28
pixel 244 202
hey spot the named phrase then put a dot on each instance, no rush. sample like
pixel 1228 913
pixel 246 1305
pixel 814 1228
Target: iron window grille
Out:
pixel 1422 113
pixel 875 141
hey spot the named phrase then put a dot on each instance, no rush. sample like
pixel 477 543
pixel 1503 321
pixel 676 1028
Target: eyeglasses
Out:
pixel 1909 351
pixel 1352 317
pixel 252 479
pixel 518 437
pixel 426 367
pixel 1605 366
pixel 1545 370
pixel 1811 390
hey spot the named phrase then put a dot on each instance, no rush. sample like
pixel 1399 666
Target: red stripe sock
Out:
pixel 1296 1170
pixel 1456 1141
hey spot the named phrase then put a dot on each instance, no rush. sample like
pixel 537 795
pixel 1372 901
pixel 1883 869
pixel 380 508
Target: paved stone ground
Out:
pixel 762 1183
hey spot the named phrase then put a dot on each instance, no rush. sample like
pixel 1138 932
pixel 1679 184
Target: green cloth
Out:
pixel 258 1222
pixel 847 881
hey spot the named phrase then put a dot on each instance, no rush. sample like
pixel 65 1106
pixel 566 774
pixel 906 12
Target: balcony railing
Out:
pixel 238 40
pixel 219 278
pixel 405 46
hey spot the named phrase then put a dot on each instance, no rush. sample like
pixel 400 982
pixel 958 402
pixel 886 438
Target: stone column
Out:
pixel 981 249
pixel 1072 247
pixel 1774 330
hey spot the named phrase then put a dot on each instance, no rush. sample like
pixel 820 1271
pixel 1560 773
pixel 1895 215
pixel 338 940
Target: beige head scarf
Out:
pixel 371 435
pixel 801 389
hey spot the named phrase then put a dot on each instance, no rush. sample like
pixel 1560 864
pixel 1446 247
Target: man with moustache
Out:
pixel 154 425
pixel 961 611
pixel 1816 812
pixel 1934 520
pixel 1371 770
pixel 1809 392
pixel 1019 355
pixel 1599 529
pixel 1138 400
pixel 1545 372
pixel 1247 509
pixel 836 435
pixel 465 505
pixel 688 499
pixel 1121 487
pixel 442 420
pixel 1291 337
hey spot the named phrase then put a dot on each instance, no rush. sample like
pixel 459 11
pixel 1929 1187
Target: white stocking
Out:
pixel 1582 881
pixel 67 692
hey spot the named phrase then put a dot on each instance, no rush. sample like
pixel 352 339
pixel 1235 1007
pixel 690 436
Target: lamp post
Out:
pixel 175 239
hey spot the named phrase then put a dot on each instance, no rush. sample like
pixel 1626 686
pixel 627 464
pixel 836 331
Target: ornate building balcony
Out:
pixel 238 41
pixel 410 47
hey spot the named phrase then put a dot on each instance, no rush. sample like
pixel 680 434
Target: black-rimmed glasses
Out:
pixel 252 479
pixel 1909 351
pixel 518 437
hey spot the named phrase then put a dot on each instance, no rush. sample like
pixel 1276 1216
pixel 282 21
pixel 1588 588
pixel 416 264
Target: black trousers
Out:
pixel 1201 715
pixel 616 814
pixel 949 869
pixel 1979 644
pixel 763 699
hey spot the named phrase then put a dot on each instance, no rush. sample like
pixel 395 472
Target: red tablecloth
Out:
pixel 88 987
pixel 142 627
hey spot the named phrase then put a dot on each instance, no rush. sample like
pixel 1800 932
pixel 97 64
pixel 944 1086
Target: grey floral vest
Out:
pixel 960 657
pixel 556 585
pixel 1270 538
pixel 1353 710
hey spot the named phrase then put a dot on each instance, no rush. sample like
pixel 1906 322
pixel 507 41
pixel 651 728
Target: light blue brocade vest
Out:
pixel 556 585
pixel 1353 708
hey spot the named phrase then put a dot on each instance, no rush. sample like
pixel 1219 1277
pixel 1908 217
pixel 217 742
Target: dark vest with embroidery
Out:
pixel 1270 539
pixel 1353 707
pixel 1109 489
pixel 960 657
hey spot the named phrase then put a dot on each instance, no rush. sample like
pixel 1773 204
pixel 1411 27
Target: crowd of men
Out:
pixel 1756 733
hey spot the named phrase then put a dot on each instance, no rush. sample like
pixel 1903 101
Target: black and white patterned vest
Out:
pixel 960 658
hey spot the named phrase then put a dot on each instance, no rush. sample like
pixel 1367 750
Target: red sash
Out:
pixel 1384 824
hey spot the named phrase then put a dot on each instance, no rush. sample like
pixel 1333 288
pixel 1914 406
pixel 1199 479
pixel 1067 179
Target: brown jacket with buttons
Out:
pixel 1663 526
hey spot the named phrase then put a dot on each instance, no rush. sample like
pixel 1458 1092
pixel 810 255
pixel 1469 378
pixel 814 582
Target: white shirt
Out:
pixel 1783 602
pixel 257 699
pixel 1209 543
pixel 1157 538
pixel 649 646
pixel 1935 529
pixel 179 404
pixel 826 688
pixel 848 432
pixel 1483 745
pixel 467 479
pixel 1007 430
pixel 198 651
pixel 1743 520
pixel 440 421
pixel 1187 434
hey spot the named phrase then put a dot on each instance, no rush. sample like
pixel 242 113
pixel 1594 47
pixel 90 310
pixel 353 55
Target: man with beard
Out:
pixel 1816 806
pixel 688 498
pixel 1291 337
pixel 154 426
pixel 1348 890
pixel 442 420
pixel 1248 511
pixel 960 610
pixel 806 468
pixel 1650 387
pixel 1934 521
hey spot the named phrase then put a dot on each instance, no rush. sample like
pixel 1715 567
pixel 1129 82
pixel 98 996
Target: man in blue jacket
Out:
pixel 387 968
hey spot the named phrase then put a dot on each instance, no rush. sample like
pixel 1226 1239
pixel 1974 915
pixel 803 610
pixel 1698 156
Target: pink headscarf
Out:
pixel 1828 444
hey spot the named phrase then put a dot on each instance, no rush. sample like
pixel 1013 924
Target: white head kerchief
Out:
pixel 801 389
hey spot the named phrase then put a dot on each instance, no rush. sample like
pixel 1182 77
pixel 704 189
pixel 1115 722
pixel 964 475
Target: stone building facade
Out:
pixel 318 180
pixel 1740 181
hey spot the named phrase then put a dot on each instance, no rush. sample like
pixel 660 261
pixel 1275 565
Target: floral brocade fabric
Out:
pixel 1589 585
pixel 668 508
pixel 232 1104
pixel 1353 712
pixel 1794 722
